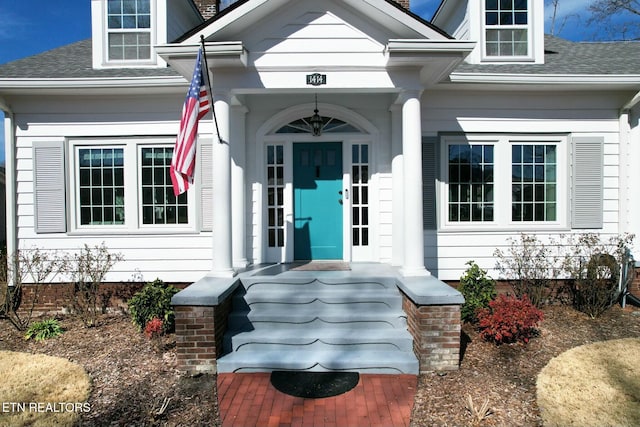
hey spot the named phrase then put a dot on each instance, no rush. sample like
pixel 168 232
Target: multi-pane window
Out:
pixel 275 195
pixel 101 186
pixel 534 182
pixel 504 181
pixel 360 194
pixel 506 27
pixel 129 23
pixel 471 183
pixel 159 204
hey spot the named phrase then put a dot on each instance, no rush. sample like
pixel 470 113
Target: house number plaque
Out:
pixel 316 79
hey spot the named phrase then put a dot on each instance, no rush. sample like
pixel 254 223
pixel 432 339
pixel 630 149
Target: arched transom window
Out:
pixel 329 125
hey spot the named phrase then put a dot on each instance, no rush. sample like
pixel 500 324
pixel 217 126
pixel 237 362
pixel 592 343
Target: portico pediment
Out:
pixel 355 41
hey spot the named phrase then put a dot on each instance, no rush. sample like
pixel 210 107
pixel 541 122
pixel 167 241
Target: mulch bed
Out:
pixel 132 376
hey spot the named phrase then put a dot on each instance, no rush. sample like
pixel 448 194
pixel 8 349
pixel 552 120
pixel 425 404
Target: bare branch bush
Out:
pixel 532 268
pixel 35 265
pixel 87 269
pixel 594 265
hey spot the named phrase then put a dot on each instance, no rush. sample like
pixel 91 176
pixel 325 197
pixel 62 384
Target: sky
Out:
pixel 28 27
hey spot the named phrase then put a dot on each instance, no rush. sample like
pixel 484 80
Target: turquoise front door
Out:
pixel 317 200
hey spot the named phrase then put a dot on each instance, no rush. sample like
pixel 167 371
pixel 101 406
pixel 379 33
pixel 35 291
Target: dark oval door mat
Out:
pixel 314 385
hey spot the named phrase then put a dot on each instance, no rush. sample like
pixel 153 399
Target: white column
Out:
pixel 397 216
pixel 632 178
pixel 10 141
pixel 413 264
pixel 238 195
pixel 221 209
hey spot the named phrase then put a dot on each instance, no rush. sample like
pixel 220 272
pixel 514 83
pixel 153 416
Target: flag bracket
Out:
pixel 213 109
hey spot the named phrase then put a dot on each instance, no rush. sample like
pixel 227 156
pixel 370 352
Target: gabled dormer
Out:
pixel 124 32
pixel 507 31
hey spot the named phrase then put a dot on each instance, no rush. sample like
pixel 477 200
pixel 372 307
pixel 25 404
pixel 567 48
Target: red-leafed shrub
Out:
pixel 509 319
pixel 153 328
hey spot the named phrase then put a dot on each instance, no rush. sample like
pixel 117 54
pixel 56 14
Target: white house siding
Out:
pixel 577 114
pixel 175 256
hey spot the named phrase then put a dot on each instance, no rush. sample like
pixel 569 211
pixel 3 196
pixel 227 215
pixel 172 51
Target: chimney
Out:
pixel 208 8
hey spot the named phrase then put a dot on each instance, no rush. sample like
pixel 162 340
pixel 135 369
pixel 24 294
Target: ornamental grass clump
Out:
pixel 509 319
pixel 478 290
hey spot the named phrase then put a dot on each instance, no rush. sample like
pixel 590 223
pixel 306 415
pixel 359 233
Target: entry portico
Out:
pixel 266 204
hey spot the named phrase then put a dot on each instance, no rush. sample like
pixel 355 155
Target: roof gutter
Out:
pixel 92 83
pixel 554 79
pixel 10 177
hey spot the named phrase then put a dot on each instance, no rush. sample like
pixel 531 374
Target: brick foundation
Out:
pixel 634 288
pixel 199 333
pixel 436 335
pixel 55 298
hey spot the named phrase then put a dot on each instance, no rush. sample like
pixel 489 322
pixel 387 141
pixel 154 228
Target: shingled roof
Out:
pixel 69 62
pixel 562 57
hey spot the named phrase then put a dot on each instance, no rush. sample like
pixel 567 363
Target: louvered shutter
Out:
pixel 587 182
pixel 206 185
pixel 429 163
pixel 49 187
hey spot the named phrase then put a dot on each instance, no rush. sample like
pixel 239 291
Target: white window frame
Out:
pixel 191 207
pixel 508 58
pixel 153 40
pixel 132 189
pixel 502 199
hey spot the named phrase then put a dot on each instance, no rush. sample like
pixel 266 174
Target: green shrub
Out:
pixel 153 301
pixel 43 330
pixel 478 290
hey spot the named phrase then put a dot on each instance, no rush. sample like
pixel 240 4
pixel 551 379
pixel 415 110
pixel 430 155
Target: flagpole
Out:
pixel 213 107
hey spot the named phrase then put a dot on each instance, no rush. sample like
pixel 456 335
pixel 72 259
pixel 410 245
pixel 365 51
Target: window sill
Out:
pixel 136 232
pixel 505 229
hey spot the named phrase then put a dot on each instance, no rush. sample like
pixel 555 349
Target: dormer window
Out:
pixel 129 30
pixel 507 28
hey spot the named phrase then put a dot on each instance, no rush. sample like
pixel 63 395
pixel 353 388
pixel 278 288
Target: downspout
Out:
pixel 10 175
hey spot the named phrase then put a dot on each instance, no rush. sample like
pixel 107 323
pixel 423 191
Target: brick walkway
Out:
pixel 249 400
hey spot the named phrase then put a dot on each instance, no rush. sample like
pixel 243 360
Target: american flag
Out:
pixel 197 104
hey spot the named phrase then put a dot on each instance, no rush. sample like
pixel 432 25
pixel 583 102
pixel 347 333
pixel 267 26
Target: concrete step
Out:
pixel 310 338
pixel 329 296
pixel 317 324
pixel 295 284
pixel 364 361
pixel 338 317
